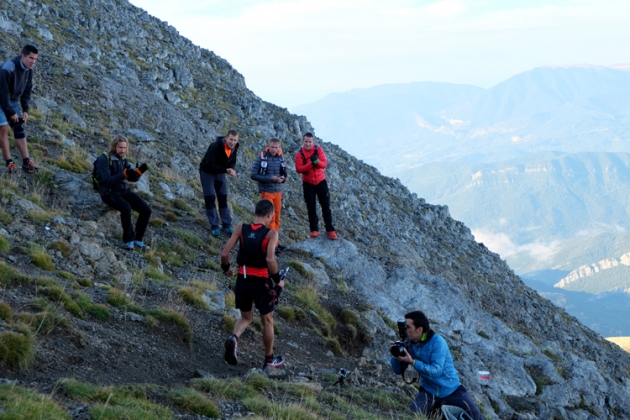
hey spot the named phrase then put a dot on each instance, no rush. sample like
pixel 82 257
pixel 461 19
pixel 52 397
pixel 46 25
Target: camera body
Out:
pixel 399 347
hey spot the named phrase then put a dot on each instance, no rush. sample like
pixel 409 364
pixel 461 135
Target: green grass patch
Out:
pixel 85 283
pixel 194 402
pixel 118 299
pixel 17 346
pixel 42 323
pixel 169 315
pixel 309 298
pixel 230 389
pixel 6 313
pixel 74 160
pixel 230 300
pixel 40 217
pixel 181 204
pixel 65 275
pixel 57 294
pixel 41 258
pixel 193 296
pixel 297 266
pixel 286 313
pixel 113 403
pixel 189 238
pixel 349 317
pixel 170 217
pixel 22 403
pixel 98 311
pixel 5 247
pixel 63 247
pixel 228 323
pixel 157 222
pixel 5 217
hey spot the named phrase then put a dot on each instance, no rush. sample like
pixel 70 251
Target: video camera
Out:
pixel 398 348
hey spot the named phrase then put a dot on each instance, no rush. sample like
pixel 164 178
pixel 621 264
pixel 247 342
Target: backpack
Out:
pixel 109 160
pixel 263 164
pixel 304 157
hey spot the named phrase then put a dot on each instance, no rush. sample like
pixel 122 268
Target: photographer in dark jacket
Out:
pixel 220 159
pixel 111 171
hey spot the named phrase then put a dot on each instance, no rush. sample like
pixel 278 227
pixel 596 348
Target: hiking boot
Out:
pixel 314 234
pixel 141 245
pixel 29 167
pixel 228 229
pixel 273 361
pixel 332 235
pixel 216 232
pixel 230 350
pixel 128 246
pixel 11 167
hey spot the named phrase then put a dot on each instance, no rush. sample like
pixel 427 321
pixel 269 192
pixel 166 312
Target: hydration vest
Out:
pixel 252 251
pixel 263 163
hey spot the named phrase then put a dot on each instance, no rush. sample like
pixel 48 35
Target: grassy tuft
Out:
pixel 41 258
pixel 297 266
pixel 309 298
pixel 170 315
pixel 118 299
pixel 10 276
pixel 4 245
pixel 230 300
pixel 5 217
pixel 181 204
pixel 349 317
pixel 98 311
pixel 65 275
pixel 40 217
pixel 22 403
pixel 56 293
pixel 157 222
pixel 193 296
pixel 230 389
pixel 286 313
pixel 6 313
pixel 17 346
pixel 43 323
pixel 170 217
pixel 194 402
pixel 85 282
pixel 189 238
pixel 63 247
pixel 228 323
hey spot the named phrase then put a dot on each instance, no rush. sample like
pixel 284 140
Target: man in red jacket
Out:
pixel 310 161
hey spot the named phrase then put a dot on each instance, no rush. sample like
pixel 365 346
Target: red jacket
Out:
pixel 311 174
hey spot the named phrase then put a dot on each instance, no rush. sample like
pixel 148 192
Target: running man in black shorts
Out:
pixel 257 267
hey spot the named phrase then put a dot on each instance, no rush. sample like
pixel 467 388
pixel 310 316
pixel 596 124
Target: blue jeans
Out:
pixel 427 403
pixel 3 118
pixel 215 187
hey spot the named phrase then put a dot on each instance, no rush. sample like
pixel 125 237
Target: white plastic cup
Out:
pixel 484 377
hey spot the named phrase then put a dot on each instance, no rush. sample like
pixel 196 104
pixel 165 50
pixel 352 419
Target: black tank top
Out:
pixel 252 251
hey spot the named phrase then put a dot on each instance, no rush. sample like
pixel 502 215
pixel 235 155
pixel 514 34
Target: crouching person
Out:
pixel 111 171
pixel 430 356
pixel 257 267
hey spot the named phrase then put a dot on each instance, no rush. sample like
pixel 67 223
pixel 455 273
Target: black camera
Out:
pixel 398 348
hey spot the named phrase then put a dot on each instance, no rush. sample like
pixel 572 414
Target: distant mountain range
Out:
pixel 567 109
pixel 537 166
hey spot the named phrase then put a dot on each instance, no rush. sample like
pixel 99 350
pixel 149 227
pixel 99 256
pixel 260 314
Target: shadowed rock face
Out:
pixel 108 67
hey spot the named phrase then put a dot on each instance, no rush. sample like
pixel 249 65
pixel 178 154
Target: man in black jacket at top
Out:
pixel 111 171
pixel 220 159
pixel 16 83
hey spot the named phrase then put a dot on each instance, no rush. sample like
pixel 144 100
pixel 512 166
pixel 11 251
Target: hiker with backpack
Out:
pixel 257 267
pixel 16 83
pixel 110 176
pixel 219 160
pixel 310 161
pixel 270 170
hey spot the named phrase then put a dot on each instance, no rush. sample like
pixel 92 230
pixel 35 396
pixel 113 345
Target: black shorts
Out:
pixel 256 291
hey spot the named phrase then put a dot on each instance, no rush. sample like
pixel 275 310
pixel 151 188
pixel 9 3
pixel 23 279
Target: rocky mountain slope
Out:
pixel 99 315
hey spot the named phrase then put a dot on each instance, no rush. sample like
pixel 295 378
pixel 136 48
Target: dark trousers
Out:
pixel 312 193
pixel 215 187
pixel 124 201
pixel 428 403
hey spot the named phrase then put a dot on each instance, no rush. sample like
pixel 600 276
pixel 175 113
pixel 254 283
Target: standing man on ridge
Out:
pixel 270 171
pixel 219 160
pixel 310 161
pixel 16 83
pixel 257 267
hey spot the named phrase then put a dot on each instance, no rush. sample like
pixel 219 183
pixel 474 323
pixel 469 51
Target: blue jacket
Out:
pixel 433 360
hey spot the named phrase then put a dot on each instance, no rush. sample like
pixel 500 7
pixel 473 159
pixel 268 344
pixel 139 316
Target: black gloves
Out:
pixel 142 169
pixel 314 159
pixel 131 175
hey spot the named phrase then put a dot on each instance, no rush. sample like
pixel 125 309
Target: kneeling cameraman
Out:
pixel 429 354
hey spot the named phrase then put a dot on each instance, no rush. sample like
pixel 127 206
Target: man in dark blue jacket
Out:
pixel 16 83
pixel 111 170
pixel 219 160
pixel 431 358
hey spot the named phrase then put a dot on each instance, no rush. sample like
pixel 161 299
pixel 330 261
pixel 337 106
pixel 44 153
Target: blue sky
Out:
pixel 296 51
